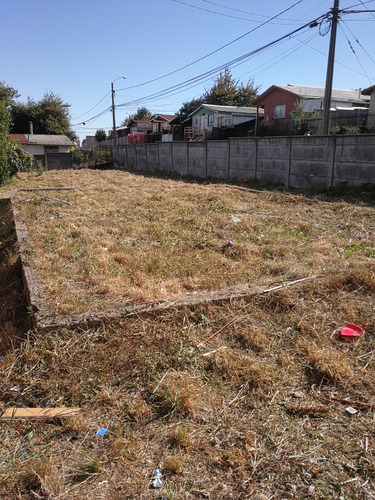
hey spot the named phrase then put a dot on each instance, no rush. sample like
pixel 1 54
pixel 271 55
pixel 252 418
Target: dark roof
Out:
pixel 369 90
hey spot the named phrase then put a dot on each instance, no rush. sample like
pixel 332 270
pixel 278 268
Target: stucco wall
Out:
pixel 295 161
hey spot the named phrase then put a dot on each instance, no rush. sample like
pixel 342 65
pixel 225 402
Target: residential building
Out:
pixel 370 91
pixel 210 116
pixel 278 102
pixel 39 144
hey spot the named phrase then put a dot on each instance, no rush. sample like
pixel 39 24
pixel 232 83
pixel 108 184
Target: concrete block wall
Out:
pixel 299 161
pixel 354 160
pixel 311 161
pixel 218 159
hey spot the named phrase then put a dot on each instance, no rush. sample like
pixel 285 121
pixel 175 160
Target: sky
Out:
pixel 170 51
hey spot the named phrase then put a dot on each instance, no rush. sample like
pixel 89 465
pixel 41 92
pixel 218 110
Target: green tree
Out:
pixel 299 117
pixel 141 114
pixel 12 156
pixel 190 106
pixel 225 91
pixel 100 135
pixel 4 123
pixel 50 115
pixel 8 94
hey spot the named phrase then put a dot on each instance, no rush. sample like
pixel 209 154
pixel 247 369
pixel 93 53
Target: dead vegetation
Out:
pixel 257 410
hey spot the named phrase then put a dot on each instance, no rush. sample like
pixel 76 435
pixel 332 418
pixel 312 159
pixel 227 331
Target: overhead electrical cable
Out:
pixel 358 42
pixel 355 54
pixel 223 14
pixel 233 63
pixel 367 9
pixel 87 112
pixel 214 51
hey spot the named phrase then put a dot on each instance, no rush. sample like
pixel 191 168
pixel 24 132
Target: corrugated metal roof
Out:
pixel 49 140
pixel 239 110
pixel 340 95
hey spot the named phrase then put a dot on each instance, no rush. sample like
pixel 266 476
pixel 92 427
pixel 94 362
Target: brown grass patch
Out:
pixel 126 239
pixel 258 411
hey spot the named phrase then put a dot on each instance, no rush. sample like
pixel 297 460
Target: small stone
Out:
pixel 311 489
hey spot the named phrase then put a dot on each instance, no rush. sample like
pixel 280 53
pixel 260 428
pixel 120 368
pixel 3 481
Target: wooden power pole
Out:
pixel 330 65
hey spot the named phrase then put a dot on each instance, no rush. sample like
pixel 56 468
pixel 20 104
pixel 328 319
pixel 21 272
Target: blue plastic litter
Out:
pixel 157 482
pixel 102 431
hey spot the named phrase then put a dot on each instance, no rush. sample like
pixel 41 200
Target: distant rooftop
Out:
pixel 42 139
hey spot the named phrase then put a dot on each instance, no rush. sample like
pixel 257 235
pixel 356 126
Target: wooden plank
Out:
pixel 39 413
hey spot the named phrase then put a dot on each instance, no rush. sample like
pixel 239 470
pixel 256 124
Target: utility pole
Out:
pixel 113 109
pixel 330 65
pixel 113 115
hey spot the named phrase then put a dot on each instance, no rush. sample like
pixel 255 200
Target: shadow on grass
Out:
pixel 14 318
pixel 363 195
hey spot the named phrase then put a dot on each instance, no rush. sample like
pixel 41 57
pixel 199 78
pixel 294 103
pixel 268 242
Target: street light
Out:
pixel 113 108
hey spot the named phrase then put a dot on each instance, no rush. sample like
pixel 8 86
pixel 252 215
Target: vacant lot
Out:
pixel 257 411
pixel 122 239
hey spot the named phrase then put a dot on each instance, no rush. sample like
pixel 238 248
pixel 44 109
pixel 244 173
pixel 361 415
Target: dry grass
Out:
pixel 256 412
pixel 121 239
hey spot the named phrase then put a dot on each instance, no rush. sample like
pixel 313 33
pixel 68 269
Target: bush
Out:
pixel 18 160
pixel 13 158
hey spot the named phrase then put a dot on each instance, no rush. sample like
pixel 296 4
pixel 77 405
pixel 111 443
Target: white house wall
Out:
pixel 33 149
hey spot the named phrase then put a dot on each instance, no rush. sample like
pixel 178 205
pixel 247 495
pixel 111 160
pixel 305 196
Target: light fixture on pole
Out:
pixel 113 109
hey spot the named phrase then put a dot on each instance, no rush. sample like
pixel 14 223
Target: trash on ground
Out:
pixel 234 219
pixel 351 331
pixel 157 479
pixel 39 413
pixel 102 431
pixel 15 388
pixel 351 410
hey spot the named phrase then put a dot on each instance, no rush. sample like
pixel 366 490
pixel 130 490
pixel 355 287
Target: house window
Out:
pixel 279 111
pixel 220 121
pixel 228 121
pixel 210 120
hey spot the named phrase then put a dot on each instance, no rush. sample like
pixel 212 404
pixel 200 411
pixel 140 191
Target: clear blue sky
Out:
pixel 76 48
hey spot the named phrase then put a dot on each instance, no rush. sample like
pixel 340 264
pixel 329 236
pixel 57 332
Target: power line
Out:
pixel 355 54
pixel 221 13
pixel 359 43
pixel 214 51
pixel 87 112
pixel 208 74
pixel 367 9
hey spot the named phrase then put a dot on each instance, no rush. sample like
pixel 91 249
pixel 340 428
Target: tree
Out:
pixel 225 91
pixel 50 115
pixel 12 156
pixel 100 135
pixel 8 94
pixel 141 114
pixel 190 106
pixel 299 117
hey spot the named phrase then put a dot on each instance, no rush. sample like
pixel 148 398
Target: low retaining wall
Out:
pixel 299 161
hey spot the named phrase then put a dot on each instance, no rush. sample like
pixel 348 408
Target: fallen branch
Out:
pixel 218 331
